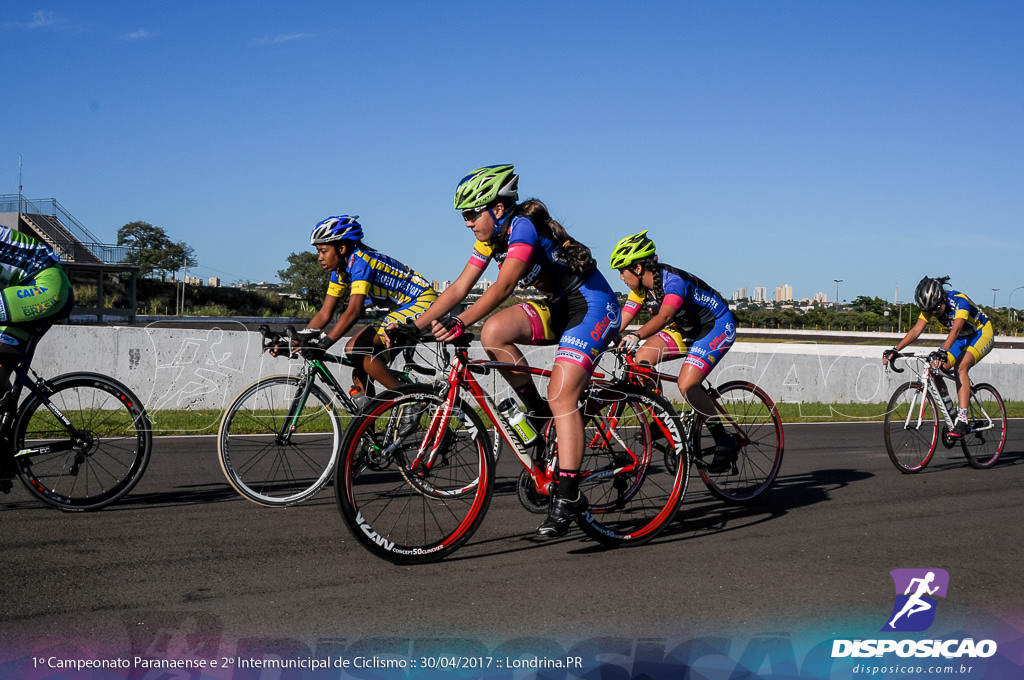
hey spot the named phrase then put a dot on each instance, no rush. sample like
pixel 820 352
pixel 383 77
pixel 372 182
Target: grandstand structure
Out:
pixel 90 264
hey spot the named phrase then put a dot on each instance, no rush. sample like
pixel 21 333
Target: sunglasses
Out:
pixel 471 214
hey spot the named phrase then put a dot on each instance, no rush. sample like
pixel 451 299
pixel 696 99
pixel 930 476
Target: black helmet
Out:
pixel 929 294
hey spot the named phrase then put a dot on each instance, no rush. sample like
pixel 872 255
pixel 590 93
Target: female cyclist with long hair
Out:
pixel 371 277
pixel 579 313
pixel 688 318
pixel 969 340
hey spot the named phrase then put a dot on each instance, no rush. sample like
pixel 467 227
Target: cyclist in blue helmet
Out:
pixel 371 278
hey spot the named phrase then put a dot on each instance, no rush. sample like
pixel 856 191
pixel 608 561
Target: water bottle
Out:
pixel 518 420
pixel 949 405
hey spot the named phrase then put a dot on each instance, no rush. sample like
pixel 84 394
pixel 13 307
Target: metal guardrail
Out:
pixel 107 253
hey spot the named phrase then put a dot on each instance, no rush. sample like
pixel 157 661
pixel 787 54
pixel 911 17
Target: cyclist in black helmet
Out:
pixel 970 338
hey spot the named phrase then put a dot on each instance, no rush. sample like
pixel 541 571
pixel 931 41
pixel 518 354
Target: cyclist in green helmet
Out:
pixel 689 319
pixel 579 312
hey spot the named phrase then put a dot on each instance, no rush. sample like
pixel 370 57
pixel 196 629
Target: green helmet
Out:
pixel 630 249
pixel 485 185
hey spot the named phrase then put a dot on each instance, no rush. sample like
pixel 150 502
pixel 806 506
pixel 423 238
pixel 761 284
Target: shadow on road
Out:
pixel 701 514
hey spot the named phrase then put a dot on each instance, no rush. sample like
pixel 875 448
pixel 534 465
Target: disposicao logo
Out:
pixel 916 593
pixel 913 611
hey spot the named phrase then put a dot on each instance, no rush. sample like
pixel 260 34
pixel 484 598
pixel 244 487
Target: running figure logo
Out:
pixel 916 590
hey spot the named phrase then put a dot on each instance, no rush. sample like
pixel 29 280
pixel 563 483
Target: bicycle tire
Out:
pixel 103 463
pixel 748 413
pixel 910 443
pixel 398 508
pixel 632 495
pixel 269 462
pixel 987 415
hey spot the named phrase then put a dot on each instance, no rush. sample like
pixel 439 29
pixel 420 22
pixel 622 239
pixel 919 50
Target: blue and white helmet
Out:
pixel 338 228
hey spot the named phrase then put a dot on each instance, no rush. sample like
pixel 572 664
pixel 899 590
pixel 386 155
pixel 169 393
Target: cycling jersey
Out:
pixel 547 269
pixel 36 291
pixel 703 327
pixel 581 311
pixel 959 306
pixel 21 257
pixel 976 335
pixel 698 305
pixel 380 278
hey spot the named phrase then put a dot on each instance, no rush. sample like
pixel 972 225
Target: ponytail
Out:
pixel 650 264
pixel 578 257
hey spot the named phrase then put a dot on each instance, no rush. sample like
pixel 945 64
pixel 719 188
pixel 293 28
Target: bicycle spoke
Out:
pixel 278 441
pixel 911 428
pixel 412 484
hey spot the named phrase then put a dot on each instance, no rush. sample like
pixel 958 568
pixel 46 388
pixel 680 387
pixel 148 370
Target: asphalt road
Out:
pixel 183 563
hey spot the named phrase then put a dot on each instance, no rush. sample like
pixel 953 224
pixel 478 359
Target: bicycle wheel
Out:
pixel 632 494
pixel 987 416
pixel 750 416
pixel 911 428
pixel 97 463
pixel 406 505
pixel 277 443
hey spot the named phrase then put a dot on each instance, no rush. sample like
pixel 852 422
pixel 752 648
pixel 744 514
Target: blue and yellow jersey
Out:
pixel 698 305
pixel 22 257
pixel 380 278
pixel 959 306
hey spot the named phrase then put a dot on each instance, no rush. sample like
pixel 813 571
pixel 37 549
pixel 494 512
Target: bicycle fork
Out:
pixel 79 441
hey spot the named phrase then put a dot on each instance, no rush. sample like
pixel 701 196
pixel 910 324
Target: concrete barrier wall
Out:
pixel 175 368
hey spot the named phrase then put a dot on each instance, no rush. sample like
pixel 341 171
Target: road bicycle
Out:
pixel 749 417
pixel 279 438
pixel 416 494
pixel 920 414
pixel 78 442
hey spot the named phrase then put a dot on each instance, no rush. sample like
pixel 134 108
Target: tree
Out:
pixel 152 249
pixel 305 277
pixel 870 305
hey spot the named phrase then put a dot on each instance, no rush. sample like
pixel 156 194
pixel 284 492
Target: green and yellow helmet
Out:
pixel 630 249
pixel 485 185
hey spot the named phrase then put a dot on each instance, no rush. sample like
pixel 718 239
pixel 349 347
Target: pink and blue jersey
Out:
pixel 702 315
pixel 581 309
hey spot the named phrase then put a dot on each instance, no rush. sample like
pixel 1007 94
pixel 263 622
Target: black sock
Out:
pixel 569 484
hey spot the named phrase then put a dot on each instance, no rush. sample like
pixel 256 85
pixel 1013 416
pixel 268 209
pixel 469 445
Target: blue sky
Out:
pixel 761 143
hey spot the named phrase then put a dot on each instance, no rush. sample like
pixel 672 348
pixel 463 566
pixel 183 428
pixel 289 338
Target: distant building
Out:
pixel 760 294
pixel 821 298
pixel 784 293
pixel 213 282
pixel 741 294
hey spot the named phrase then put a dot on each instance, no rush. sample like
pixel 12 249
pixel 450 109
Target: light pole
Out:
pixel 837 282
pixel 1009 302
pixel 994 297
